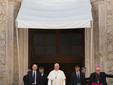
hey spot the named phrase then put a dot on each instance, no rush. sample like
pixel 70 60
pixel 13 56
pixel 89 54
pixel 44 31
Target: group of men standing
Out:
pixel 57 77
pixel 35 77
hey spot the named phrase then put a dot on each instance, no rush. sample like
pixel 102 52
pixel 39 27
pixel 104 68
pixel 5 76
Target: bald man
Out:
pixel 34 77
pixel 56 77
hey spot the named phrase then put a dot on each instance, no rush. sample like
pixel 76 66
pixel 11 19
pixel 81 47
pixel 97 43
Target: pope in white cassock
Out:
pixel 56 77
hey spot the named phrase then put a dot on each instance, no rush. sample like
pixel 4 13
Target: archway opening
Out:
pixel 66 47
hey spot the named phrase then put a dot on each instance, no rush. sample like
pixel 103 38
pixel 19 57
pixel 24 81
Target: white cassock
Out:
pixel 56 78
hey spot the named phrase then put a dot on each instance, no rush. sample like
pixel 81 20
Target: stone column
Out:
pixel 23 53
pixel 90 40
pixel 21 61
pixel 102 45
pixel 98 38
pixel 89 48
pixel 10 43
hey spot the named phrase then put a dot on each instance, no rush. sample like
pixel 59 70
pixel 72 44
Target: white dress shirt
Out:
pixel 78 75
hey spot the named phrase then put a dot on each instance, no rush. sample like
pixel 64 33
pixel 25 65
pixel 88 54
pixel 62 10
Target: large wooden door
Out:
pixel 66 47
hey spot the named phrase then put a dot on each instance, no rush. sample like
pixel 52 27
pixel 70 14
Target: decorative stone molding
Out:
pixel 2 58
pixel 3 15
pixel 3 27
pixel 109 32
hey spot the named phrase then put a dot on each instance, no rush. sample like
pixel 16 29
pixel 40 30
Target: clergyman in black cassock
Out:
pixel 77 77
pixel 99 77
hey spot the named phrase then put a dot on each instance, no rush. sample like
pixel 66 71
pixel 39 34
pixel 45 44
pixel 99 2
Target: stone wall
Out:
pixel 109 38
pixel 2 58
pixel 3 27
pixel 13 68
pixel 103 35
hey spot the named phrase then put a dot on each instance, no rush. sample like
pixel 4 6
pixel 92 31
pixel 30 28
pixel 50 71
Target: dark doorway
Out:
pixel 67 68
pixel 66 47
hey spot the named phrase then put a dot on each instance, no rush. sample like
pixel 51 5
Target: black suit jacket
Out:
pixel 74 79
pixel 25 80
pixel 44 79
pixel 103 75
pixel 30 78
pixel 87 80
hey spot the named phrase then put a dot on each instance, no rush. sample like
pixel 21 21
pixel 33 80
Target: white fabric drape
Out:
pixel 54 14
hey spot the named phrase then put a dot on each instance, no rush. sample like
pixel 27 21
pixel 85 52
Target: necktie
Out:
pixel 78 78
pixel 34 77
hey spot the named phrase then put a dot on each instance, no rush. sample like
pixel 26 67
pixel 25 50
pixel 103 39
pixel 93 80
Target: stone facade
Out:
pixel 2 58
pixel 3 27
pixel 98 47
pixel 109 37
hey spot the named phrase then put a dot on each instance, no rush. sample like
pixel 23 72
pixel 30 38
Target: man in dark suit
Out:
pixel 25 79
pixel 33 76
pixel 83 70
pixel 77 77
pixel 43 76
pixel 99 77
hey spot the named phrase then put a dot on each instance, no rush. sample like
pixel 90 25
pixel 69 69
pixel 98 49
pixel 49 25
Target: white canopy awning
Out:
pixel 54 14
